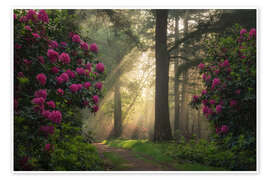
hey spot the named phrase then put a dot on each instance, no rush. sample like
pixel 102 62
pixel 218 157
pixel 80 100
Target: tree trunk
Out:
pixel 162 122
pixel 183 111
pixel 176 81
pixel 117 111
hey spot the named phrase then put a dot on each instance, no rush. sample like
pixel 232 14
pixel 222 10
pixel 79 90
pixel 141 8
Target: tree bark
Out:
pixel 117 112
pixel 176 81
pixel 162 122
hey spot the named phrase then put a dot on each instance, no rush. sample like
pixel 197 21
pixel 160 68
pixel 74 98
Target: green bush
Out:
pixel 75 155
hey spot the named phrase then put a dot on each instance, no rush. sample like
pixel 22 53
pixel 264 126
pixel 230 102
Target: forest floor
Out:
pixel 119 159
pixel 136 155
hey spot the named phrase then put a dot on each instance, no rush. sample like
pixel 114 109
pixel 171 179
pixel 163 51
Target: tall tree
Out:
pixel 117 111
pixel 162 122
pixel 176 80
pixel 184 114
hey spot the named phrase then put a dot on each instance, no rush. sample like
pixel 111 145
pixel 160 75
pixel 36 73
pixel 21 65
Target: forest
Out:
pixel 134 90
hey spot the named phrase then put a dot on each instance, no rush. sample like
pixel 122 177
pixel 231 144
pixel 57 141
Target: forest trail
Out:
pixel 119 159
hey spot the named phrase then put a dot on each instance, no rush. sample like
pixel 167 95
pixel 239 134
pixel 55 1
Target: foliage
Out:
pixel 229 75
pixel 53 78
pixel 238 157
pixel 161 153
pixel 229 100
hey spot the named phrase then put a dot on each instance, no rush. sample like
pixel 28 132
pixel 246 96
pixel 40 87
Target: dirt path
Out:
pixel 118 159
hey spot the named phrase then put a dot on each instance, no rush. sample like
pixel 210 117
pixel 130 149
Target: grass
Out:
pixel 115 161
pixel 158 153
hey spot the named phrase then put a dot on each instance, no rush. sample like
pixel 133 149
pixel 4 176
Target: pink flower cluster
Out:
pixel 64 58
pixel 75 87
pixel 55 117
pixel 62 78
pixel 41 79
pixel 46 130
pixel 94 48
pixel 100 67
pixel 224 129
pixel 53 55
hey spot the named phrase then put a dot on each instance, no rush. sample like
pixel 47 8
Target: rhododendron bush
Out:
pixel 52 78
pixel 229 97
pixel 229 75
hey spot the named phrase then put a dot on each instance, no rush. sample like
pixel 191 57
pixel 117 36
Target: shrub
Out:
pixel 52 79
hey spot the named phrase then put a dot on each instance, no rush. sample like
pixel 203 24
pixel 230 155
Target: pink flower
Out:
pixel 37 36
pixel 233 103
pixel 226 63
pixel 98 85
pixel 84 46
pixel 41 78
pixel 224 129
pixel 28 28
pixel 23 19
pixel 212 101
pixel 46 130
pixel 56 117
pixel 242 57
pixel 80 71
pixel 87 85
pixel 31 15
pixel 60 80
pixel 64 58
pixel 53 44
pixel 252 33
pixel 215 82
pixel 94 48
pixel 41 93
pixel 79 61
pixel 204 92
pixel 18 46
pixel 80 86
pixel 205 109
pixel 41 59
pixel 204 102
pixel 54 70
pixel 70 73
pixel 51 104
pixel 53 55
pixel 238 91
pixel 217 71
pixel 64 76
pixel 63 44
pixel 43 16
pixel 60 92
pixel 38 101
pixel 20 74
pixel 95 99
pixel 201 66
pixel 76 38
pixel 48 147
pixel 218 108
pixel 27 62
pixel 195 98
pixel 100 67
pixel 206 77
pixel 14 16
pixel 243 31
pixel 73 87
pixel 95 108
pixel 88 66
pixel 46 113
